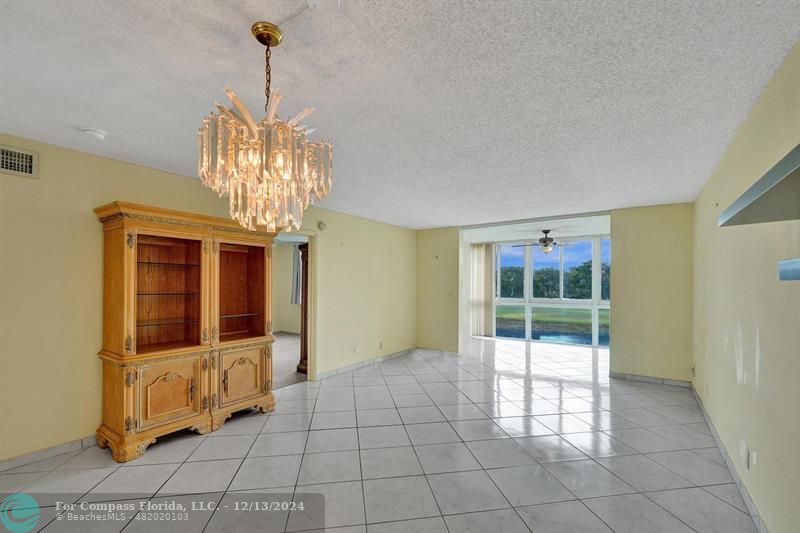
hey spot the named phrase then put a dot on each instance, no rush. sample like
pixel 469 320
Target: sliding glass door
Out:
pixel 560 296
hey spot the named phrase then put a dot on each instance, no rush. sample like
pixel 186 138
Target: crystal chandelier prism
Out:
pixel 269 170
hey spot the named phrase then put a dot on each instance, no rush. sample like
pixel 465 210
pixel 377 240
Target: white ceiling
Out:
pixel 441 113
pixel 531 230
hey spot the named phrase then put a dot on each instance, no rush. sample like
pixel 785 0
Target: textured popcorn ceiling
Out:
pixel 442 112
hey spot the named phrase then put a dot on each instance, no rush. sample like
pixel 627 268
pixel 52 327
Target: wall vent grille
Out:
pixel 19 162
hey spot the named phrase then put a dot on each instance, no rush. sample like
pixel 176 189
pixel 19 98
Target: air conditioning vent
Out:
pixel 19 162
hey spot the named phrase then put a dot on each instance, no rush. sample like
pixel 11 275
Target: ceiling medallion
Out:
pixel 269 170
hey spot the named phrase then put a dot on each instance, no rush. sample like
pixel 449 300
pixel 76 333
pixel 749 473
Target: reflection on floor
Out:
pixel 285 356
pixel 511 436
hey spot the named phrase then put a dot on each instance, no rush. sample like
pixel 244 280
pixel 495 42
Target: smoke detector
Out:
pixel 97 134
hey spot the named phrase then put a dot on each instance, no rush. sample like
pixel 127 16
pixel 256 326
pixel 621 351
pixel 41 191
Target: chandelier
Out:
pixel 269 170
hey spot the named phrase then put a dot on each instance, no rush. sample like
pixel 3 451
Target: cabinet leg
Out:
pixel 268 404
pixel 218 421
pixel 122 453
pixel 102 442
pixel 203 428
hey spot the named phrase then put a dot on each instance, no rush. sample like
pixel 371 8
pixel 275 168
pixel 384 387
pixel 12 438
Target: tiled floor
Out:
pixel 510 437
pixel 285 356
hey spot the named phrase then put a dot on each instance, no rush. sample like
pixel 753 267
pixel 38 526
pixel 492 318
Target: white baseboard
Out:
pixel 748 501
pixel 651 379
pixel 362 364
pixel 46 453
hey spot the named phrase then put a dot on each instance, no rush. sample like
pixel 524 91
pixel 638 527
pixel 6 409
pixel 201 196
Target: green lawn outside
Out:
pixel 552 315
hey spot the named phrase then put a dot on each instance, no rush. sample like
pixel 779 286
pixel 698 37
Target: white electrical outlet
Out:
pixel 747 455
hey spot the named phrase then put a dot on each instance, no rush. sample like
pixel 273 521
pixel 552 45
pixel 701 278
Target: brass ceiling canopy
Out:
pixel 267 33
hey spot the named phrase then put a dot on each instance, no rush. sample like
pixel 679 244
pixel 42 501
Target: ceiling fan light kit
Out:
pixel 269 170
pixel 546 243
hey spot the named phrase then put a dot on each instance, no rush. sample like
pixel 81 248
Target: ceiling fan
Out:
pixel 546 243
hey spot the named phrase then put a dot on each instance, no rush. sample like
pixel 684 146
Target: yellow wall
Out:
pixel 285 314
pixel 365 278
pixel 746 322
pixel 651 291
pixel 437 289
pixel 51 287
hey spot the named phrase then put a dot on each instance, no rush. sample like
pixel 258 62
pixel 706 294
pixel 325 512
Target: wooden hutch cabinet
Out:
pixel 187 333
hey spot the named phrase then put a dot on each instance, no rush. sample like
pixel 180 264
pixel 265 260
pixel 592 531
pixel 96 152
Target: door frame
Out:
pixel 302 366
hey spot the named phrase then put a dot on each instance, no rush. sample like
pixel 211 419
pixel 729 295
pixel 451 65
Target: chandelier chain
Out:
pixel 268 76
pixel 269 170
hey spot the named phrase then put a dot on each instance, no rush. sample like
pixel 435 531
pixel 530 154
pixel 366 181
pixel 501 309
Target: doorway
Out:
pixel 290 270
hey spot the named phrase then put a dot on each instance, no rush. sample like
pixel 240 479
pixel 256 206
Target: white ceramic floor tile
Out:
pixel 587 479
pixel 196 521
pixel 464 492
pixel 267 472
pixel 478 429
pixel 133 482
pixel 433 433
pixel 66 485
pixel 389 462
pixel 598 444
pixel 334 420
pixel 418 415
pixel 382 437
pixel 643 473
pixel 447 457
pixel 693 467
pixel 498 453
pixel 332 440
pixel 243 424
pixel 400 498
pixel 523 426
pixel 685 436
pixel 563 517
pixel 329 467
pixel 529 485
pixel 703 511
pixel 378 417
pixel 550 448
pixel 201 476
pixel 344 506
pixel 42 465
pixel 728 493
pixel 419 525
pixel 643 440
pixel 505 521
pixel 228 518
pixel 282 423
pixel 288 443
pixel 634 513
pixel 10 483
pixel 92 457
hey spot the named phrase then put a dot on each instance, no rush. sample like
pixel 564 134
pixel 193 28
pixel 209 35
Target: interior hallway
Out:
pixel 511 437
pixel 285 356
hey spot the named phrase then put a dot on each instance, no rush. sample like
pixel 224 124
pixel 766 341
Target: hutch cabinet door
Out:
pixel 170 390
pixel 242 374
